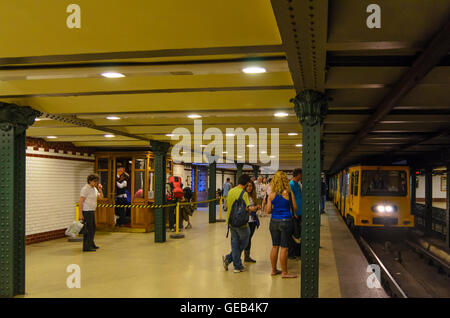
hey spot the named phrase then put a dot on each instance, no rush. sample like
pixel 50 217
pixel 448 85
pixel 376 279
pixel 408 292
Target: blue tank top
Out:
pixel 281 208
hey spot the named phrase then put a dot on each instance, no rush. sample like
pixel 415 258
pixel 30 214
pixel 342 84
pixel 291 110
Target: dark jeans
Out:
pixel 173 217
pixel 89 230
pixel 239 240
pixel 121 212
pixel 295 249
pixel 252 226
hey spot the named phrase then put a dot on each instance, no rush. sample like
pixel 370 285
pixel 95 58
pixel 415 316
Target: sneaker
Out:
pixel 225 262
pixel 249 260
pixel 238 270
pixel 296 240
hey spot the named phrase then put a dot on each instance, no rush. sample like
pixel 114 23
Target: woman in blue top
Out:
pixel 281 226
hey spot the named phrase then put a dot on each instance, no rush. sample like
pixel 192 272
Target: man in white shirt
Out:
pixel 87 205
pixel 260 193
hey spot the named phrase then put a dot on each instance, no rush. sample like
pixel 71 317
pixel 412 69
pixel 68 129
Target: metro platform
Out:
pixel 132 265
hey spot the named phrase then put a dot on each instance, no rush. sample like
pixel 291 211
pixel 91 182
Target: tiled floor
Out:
pixel 132 265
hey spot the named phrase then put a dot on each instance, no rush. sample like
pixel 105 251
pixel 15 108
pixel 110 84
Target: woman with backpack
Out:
pixel 280 204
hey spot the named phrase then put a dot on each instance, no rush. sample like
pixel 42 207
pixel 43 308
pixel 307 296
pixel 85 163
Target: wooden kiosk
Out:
pixel 141 186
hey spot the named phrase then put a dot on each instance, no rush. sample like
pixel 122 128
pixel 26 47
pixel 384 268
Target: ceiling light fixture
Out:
pixel 113 118
pixel 112 75
pixel 170 135
pixel 292 134
pixel 109 136
pixel 193 116
pixel 298 145
pixel 51 137
pixel 254 70
pixel 250 146
pixel 281 114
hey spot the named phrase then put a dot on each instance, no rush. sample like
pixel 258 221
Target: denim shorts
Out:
pixel 281 231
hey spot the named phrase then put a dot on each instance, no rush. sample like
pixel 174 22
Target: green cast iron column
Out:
pixel 239 167
pixel 310 107
pixel 160 151
pixel 14 121
pixel 212 190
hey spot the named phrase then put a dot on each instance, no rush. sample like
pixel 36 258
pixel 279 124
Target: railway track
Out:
pixel 407 270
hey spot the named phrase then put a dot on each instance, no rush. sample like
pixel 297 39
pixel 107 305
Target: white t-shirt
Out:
pixel 90 194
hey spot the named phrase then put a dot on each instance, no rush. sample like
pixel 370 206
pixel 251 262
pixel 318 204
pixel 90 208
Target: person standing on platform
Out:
pixel 281 226
pixel 294 250
pixel 253 221
pixel 323 196
pixel 268 190
pixel 259 187
pixel 87 204
pixel 239 235
pixel 121 196
pixel 225 189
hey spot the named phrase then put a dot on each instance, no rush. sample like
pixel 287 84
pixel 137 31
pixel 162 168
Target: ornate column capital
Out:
pixel 159 147
pixel 311 107
pixel 18 117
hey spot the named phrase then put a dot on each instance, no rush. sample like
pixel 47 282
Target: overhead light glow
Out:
pixel 254 70
pixel 170 135
pixel 193 116
pixel 250 146
pixel 224 151
pixel 298 145
pixel 202 146
pixel 113 118
pixel 51 137
pixel 292 134
pixel 109 136
pixel 230 135
pixel 112 75
pixel 272 156
pixel 281 114
pixel 263 151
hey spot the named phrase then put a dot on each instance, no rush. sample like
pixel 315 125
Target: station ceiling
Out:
pixel 186 57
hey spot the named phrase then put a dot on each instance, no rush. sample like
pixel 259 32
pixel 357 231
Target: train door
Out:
pixel 351 193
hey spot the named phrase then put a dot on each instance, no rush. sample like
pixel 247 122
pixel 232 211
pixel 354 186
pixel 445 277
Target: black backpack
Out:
pixel 187 193
pixel 238 214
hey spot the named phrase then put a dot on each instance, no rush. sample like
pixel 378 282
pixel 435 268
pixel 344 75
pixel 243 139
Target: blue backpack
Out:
pixel 238 214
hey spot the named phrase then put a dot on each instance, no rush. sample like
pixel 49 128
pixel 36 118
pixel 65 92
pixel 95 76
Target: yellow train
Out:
pixel 373 196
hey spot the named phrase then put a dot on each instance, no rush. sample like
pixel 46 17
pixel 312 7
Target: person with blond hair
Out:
pixel 280 204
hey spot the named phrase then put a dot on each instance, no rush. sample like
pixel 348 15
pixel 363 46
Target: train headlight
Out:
pixel 389 208
pixel 380 208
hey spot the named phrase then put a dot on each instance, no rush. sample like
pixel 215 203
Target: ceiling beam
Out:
pixel 303 29
pixel 436 50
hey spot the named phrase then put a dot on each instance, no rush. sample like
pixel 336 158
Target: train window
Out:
pixel 356 182
pixel 351 184
pixel 386 182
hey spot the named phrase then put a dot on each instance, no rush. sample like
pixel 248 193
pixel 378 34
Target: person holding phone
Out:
pixel 87 204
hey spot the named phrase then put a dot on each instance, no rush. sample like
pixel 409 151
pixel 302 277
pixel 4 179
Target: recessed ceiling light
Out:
pixel 298 145
pixel 263 151
pixel 230 135
pixel 281 114
pixel 37 119
pixel 51 137
pixel 250 146
pixel 113 118
pixel 292 134
pixel 254 70
pixel 272 156
pixel 112 75
pixel 193 116
pixel 109 136
pixel 224 151
pixel 170 135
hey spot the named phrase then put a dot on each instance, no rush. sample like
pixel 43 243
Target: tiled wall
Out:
pixel 53 183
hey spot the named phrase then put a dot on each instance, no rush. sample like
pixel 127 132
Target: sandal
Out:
pixel 289 276
pixel 277 272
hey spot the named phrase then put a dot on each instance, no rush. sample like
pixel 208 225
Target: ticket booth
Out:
pixel 140 188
